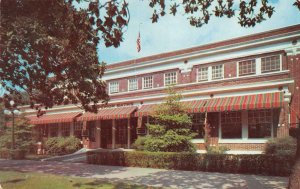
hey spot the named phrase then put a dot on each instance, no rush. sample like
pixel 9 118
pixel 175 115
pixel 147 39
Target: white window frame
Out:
pixel 222 72
pixel 137 83
pixel 280 64
pixel 238 67
pixel 166 78
pixel 143 82
pixel 198 72
pixel 110 87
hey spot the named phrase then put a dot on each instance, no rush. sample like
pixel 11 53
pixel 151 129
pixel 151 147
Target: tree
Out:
pixel 199 12
pixel 48 48
pixel 171 129
pixel 2 118
pixel 24 139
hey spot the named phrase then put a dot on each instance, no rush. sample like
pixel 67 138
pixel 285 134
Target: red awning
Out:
pixel 109 113
pixel 195 106
pixel 54 118
pixel 248 102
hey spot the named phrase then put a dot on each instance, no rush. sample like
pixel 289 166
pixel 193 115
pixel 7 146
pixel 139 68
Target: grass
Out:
pixel 34 180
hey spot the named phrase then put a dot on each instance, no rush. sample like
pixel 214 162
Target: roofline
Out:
pixel 208 46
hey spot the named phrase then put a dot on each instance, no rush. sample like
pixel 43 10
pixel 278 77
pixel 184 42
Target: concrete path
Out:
pixel 147 176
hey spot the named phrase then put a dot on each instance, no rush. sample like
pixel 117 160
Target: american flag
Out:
pixel 138 43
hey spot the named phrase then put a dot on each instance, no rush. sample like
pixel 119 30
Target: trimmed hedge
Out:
pixel 226 163
pixel 12 154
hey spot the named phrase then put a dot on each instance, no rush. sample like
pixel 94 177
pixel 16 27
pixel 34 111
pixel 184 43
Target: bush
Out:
pixel 281 146
pixel 217 149
pixel 249 164
pixel 139 143
pixel 12 154
pixel 61 145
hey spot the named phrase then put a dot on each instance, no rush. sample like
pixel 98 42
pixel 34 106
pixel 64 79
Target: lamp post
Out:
pixel 12 111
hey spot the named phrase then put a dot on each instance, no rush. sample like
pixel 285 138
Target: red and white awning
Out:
pixel 233 103
pixel 109 113
pixel 248 102
pixel 54 118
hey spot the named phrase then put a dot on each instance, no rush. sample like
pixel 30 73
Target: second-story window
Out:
pixel 170 78
pixel 271 63
pixel 247 67
pixel 203 74
pixel 132 84
pixel 148 82
pixel 217 72
pixel 114 87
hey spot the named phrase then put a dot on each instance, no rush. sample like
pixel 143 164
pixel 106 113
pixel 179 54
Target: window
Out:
pixel 247 67
pixel 198 124
pixel 217 72
pixel 65 129
pixel 170 78
pixel 203 74
pixel 259 123
pixel 271 63
pixel 132 84
pixel 91 125
pixel 147 82
pixel 78 125
pixel 53 127
pixel 231 124
pixel 114 87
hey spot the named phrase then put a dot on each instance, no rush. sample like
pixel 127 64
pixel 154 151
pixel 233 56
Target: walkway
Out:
pixel 153 177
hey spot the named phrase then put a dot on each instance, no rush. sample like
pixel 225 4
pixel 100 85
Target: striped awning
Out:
pixel 54 118
pixel 233 103
pixel 195 106
pixel 248 102
pixel 109 113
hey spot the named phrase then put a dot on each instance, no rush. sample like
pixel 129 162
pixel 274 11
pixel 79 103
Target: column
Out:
pixel 128 133
pixel 244 124
pixel 72 128
pixel 113 133
pixel 98 133
pixel 59 129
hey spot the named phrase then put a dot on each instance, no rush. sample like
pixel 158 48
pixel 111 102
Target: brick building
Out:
pixel 249 87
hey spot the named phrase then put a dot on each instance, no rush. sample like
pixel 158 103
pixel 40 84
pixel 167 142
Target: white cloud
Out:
pixel 173 33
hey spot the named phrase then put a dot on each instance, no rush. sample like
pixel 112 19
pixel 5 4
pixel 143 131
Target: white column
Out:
pixel 244 124
pixel 113 133
pixel 72 128
pixel 59 130
pixel 258 66
pixel 128 133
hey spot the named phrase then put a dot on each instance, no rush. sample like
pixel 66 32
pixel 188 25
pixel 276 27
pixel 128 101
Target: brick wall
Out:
pixel 294 66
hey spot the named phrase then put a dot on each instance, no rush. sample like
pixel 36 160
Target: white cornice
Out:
pixel 233 47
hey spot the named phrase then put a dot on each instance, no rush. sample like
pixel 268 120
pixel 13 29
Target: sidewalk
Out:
pixel 147 176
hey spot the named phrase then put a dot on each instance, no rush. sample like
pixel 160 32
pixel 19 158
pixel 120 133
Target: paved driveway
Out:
pixel 153 177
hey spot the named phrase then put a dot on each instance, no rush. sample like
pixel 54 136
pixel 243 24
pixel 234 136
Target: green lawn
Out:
pixel 34 180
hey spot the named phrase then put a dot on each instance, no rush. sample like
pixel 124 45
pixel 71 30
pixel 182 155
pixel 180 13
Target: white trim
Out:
pixel 244 152
pixel 196 141
pixel 242 141
pixel 197 76
pixel 109 85
pixel 207 52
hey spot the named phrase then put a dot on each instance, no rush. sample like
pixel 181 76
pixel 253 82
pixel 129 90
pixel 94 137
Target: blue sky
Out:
pixel 173 33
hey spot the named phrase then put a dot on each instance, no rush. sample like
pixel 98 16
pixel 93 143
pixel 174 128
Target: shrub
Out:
pixel 249 164
pixel 139 143
pixel 12 154
pixel 217 149
pixel 281 146
pixel 61 145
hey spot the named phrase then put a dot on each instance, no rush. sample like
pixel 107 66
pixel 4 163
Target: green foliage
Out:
pixel 217 149
pixel 156 130
pixel 172 129
pixel 23 135
pixel 282 146
pixel 139 143
pixel 279 165
pixel 62 145
pixel 12 154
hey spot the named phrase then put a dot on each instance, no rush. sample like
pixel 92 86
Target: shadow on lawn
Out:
pixel 13 181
